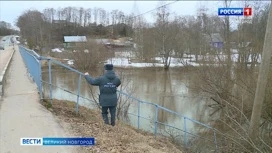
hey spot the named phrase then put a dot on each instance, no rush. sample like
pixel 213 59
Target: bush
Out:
pixel 89 55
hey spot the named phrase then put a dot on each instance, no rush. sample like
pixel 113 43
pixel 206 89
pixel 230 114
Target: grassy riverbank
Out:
pixel 118 139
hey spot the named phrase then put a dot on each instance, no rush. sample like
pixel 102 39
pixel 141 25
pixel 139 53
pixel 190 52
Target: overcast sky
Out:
pixel 11 10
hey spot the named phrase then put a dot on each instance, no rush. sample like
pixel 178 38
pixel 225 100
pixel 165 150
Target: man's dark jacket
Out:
pixel 108 84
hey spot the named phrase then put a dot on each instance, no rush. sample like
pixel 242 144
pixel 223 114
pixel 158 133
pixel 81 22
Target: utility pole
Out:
pixel 262 80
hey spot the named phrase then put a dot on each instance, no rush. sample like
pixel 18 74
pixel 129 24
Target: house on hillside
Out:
pixel 73 41
pixel 102 41
pixel 61 23
pixel 215 40
pixel 120 29
pixel 115 43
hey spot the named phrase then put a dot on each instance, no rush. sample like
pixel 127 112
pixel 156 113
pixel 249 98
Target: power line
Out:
pixel 155 9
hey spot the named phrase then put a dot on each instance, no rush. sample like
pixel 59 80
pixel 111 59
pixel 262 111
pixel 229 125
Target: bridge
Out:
pixel 22 115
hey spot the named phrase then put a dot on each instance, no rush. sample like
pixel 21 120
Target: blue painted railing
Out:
pixel 33 63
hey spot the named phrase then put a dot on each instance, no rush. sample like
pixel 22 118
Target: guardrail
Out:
pixel 3 72
pixel 33 64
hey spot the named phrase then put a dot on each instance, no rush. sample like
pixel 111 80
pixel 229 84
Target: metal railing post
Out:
pixel 50 79
pixel 78 92
pixel 139 107
pixel 185 133
pixel 40 81
pixel 215 142
pixel 156 120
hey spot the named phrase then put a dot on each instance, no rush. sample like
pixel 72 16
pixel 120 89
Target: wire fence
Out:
pixel 47 84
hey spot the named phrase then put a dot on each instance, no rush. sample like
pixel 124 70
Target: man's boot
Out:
pixel 105 115
pixel 105 118
pixel 112 113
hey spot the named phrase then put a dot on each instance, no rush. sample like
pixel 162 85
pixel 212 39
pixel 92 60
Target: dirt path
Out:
pixel 21 114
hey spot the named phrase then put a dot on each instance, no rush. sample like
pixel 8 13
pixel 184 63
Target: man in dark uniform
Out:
pixel 108 84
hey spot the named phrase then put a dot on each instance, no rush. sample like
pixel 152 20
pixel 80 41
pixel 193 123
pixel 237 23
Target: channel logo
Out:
pixel 235 11
pixel 48 141
pixel 31 141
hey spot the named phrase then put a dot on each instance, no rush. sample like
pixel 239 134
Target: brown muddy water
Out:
pixel 170 89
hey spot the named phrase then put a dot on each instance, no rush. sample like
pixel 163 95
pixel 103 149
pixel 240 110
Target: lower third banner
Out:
pixel 68 141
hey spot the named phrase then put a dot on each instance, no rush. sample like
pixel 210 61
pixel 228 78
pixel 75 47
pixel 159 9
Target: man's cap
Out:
pixel 108 67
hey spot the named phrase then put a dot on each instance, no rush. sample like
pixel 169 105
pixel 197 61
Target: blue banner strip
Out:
pixel 68 141
pixel 230 11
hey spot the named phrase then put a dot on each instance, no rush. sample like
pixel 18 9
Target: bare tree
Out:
pixel 166 35
pixel 195 36
pixel 6 29
pixel 102 17
pixel 129 20
pixel 95 13
pixel 85 18
pixel 89 55
pixel 181 41
pixel 67 13
pixel 89 16
pixel 81 13
pixel 107 18
pixel 232 103
pixel 75 17
pixel 59 14
pixel 32 27
pixel 138 26
pixel 113 19
pixel 120 17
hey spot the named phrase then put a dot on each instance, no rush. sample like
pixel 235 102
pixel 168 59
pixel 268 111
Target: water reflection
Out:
pixel 166 99
pixel 168 89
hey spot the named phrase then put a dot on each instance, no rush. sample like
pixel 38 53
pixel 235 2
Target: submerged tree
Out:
pixel 166 34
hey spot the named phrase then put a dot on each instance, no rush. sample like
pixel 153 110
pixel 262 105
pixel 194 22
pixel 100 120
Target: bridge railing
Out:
pixel 33 63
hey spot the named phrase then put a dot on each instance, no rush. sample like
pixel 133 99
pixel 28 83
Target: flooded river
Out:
pixel 169 89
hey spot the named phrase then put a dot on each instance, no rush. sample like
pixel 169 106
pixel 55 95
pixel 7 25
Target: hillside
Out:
pixel 119 139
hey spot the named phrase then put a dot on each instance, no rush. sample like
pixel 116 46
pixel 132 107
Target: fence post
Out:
pixel 78 92
pixel 139 107
pixel 215 142
pixel 40 81
pixel 50 79
pixel 185 132
pixel 156 120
